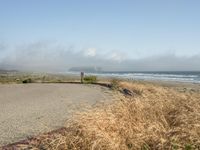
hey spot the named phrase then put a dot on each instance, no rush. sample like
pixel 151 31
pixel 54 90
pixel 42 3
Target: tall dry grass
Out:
pixel 153 118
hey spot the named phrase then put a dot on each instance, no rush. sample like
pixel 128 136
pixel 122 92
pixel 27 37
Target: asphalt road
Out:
pixel 30 109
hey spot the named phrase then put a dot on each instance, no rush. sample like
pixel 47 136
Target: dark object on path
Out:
pixel 127 92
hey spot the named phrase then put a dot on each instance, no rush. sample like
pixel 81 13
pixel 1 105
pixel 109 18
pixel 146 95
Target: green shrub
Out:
pixel 90 79
pixel 115 84
pixel 27 80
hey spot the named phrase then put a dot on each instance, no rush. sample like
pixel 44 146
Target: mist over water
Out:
pixel 54 57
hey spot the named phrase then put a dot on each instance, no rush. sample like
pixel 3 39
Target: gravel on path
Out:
pixel 30 109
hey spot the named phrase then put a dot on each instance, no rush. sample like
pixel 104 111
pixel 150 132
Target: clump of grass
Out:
pixel 115 84
pixel 29 80
pixel 158 118
pixel 90 79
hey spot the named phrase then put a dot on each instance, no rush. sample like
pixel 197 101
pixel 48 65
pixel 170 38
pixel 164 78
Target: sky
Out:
pixel 117 35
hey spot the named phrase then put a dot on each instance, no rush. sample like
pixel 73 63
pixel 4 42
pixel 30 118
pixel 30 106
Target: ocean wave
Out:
pixel 164 77
pixel 194 78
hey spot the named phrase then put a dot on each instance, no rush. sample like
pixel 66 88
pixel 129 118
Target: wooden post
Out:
pixel 82 76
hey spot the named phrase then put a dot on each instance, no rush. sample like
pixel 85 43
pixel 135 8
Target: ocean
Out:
pixel 180 76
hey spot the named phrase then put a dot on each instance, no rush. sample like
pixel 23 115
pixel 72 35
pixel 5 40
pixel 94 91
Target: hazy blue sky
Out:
pixel 122 30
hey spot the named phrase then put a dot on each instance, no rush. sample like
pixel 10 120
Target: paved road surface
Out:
pixel 30 109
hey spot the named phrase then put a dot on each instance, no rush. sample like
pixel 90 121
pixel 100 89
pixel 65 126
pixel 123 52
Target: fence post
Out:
pixel 82 76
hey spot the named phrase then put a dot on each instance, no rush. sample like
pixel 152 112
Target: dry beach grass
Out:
pixel 154 117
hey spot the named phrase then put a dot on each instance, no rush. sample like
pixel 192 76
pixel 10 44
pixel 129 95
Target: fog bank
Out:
pixel 45 56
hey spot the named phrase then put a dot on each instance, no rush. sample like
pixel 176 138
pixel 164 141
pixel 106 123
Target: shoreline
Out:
pixel 75 78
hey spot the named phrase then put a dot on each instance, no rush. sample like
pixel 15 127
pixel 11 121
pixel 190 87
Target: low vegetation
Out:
pixel 29 80
pixel 21 77
pixel 156 118
pixel 115 84
pixel 90 79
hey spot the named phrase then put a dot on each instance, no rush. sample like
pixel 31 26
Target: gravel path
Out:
pixel 30 109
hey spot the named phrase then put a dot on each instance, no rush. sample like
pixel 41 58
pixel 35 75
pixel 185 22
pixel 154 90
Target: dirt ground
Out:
pixel 30 109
